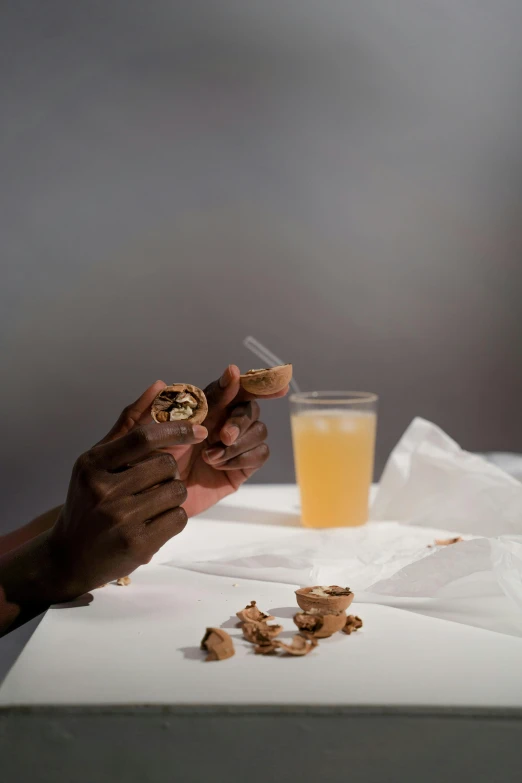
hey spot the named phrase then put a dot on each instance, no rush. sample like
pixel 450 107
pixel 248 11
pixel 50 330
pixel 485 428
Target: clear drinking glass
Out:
pixel 334 445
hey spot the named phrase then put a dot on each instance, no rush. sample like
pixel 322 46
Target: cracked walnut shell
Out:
pixel 299 646
pixel 319 624
pixel 329 599
pixel 260 633
pixel 180 402
pixel 251 614
pixel 267 381
pixel 218 645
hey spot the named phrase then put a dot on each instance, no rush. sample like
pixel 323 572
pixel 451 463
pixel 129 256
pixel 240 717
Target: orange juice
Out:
pixel 334 452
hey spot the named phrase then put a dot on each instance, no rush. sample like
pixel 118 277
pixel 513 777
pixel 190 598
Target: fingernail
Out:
pixel 213 455
pixel 199 431
pixel 225 378
pixel 232 433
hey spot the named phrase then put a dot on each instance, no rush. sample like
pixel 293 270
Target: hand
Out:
pixel 235 448
pixel 124 502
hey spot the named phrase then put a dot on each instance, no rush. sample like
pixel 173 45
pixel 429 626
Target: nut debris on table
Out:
pixel 323 615
pixel 218 645
pixel 353 623
pixel 251 613
pixel 299 646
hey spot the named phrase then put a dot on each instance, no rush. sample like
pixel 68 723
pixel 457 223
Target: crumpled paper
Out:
pixel 429 480
pixel 430 489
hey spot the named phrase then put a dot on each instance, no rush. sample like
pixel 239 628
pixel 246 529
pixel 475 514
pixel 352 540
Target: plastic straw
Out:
pixel 267 357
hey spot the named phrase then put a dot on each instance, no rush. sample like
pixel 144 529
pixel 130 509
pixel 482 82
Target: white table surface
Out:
pixel 140 645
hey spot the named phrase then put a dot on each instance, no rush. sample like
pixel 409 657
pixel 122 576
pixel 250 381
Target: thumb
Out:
pixel 222 392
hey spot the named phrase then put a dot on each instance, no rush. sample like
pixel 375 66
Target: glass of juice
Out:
pixel 334 443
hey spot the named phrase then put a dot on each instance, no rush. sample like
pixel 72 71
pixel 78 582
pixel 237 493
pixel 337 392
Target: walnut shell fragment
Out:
pixel 260 633
pixel 353 623
pixel 447 541
pixel 331 599
pixel 180 402
pixel 267 381
pixel 319 624
pixel 123 581
pixel 299 646
pixel 251 614
pixel 218 645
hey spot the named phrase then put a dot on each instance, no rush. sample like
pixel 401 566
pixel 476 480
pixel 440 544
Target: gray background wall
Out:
pixel 342 179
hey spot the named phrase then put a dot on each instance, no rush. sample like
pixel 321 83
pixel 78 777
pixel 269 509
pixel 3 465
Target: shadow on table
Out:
pixel 83 600
pixel 255 516
pixel 284 611
pixel 192 653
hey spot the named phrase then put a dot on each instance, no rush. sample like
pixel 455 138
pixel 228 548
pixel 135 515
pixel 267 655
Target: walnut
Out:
pixel 180 402
pixel 267 381
pixel 353 623
pixel 123 581
pixel 218 644
pixel 253 615
pixel 329 599
pixel 319 623
pixel 260 633
pixel 299 646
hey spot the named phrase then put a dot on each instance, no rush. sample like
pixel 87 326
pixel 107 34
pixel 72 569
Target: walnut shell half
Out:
pixel 180 402
pixel 218 645
pixel 268 381
pixel 319 624
pixel 331 599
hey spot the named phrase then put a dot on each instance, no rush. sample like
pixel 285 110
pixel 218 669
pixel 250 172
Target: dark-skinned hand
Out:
pixel 234 450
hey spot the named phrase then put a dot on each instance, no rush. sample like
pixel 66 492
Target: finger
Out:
pixel 241 418
pixel 254 436
pixel 255 458
pixel 221 393
pixel 146 505
pixel 165 526
pixel 143 440
pixel 135 413
pixel 154 470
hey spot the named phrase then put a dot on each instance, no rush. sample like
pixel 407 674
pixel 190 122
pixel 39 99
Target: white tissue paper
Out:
pixel 430 489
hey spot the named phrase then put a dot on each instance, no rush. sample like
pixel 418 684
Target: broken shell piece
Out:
pixel 299 646
pixel 218 645
pixel 267 381
pixel 353 623
pixel 266 649
pixel 251 614
pixel 319 624
pixel 180 402
pixel 123 581
pixel 332 598
pixel 260 633
pixel 447 541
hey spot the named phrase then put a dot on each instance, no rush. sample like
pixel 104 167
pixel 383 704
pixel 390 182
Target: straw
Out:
pixel 267 357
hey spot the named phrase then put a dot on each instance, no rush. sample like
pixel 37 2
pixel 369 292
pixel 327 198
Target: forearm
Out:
pixel 28 584
pixel 28 532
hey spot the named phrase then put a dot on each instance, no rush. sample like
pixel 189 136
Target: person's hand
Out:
pixel 124 502
pixel 234 450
